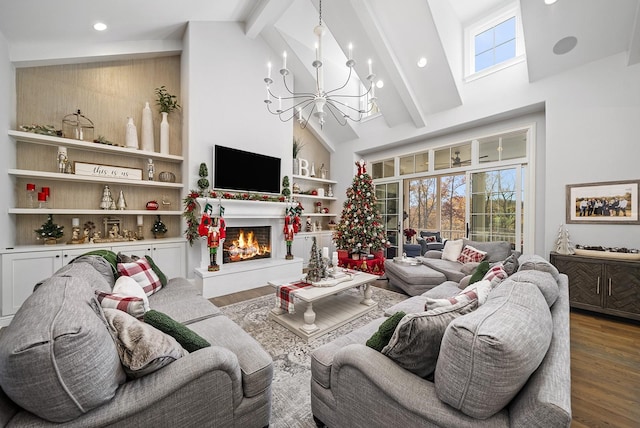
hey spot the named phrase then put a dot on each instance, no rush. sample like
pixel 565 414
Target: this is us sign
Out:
pixel 107 171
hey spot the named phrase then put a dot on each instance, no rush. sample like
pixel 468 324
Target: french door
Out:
pixel 496 208
pixel 388 201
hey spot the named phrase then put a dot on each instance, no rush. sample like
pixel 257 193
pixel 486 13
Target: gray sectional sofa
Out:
pixel 59 365
pixel 504 364
pixel 432 270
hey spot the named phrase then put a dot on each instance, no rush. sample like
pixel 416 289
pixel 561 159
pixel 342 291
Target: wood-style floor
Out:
pixel 605 365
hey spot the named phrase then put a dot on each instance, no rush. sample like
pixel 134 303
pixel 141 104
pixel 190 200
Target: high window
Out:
pixel 494 43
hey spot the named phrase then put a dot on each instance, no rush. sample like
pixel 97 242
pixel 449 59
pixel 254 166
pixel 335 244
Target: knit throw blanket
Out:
pixel 284 299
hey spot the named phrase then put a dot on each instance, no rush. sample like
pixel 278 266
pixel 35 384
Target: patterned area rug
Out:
pixel 291 354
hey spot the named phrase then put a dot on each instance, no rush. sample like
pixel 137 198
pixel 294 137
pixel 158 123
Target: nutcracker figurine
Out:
pixel 214 228
pixel 291 227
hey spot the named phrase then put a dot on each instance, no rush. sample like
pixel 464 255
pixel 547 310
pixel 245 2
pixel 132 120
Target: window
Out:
pixel 503 147
pixel 416 162
pixel 382 169
pixel 494 43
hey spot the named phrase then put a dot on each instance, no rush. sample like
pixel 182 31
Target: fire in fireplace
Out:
pixel 247 243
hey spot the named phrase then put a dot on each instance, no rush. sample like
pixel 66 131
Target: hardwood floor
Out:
pixel 605 365
pixel 605 371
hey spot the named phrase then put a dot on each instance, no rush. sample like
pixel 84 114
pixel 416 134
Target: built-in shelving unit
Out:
pixel 79 195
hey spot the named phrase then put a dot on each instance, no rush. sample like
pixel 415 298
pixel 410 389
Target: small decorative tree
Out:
pixel 159 228
pixel 49 231
pixel 563 244
pixel 286 192
pixel 317 268
pixel 360 228
pixel 203 182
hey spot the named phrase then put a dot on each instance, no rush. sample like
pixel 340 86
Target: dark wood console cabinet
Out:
pixel 602 285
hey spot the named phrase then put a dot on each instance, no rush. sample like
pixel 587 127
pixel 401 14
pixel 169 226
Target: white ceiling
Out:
pixel 394 34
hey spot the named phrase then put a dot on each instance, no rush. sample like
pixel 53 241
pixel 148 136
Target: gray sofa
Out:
pixel 432 270
pixel 505 364
pixel 60 366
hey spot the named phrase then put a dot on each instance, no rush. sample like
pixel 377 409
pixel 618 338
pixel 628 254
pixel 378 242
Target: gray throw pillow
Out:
pixel 487 356
pixel 510 264
pixel 57 359
pixel 543 280
pixel 496 251
pixel 415 344
pixel 535 262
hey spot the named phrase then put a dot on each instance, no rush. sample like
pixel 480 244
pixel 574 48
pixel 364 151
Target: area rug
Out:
pixel 291 402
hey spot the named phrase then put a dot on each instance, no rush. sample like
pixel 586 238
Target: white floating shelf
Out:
pixel 30 137
pixel 303 195
pixel 76 211
pixel 90 179
pixel 315 179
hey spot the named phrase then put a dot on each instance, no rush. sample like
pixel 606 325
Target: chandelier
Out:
pixel 319 103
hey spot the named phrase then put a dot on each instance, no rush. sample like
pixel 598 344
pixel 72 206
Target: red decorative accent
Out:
pixel 152 205
pixel 373 266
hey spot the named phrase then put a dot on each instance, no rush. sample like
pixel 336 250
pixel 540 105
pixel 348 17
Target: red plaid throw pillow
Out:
pixel 495 275
pixel 470 254
pixel 141 271
pixel 134 306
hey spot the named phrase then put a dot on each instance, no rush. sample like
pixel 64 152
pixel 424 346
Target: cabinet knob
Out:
pixel 57 256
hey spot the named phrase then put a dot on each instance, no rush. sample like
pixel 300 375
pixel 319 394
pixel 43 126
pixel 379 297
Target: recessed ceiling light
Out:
pixel 379 84
pixel 422 62
pixel 565 45
pixel 550 1
pixel 99 26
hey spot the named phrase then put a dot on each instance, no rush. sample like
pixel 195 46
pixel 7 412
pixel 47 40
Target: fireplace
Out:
pixel 246 243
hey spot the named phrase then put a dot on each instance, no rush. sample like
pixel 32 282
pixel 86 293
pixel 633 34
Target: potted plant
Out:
pixel 297 147
pixel 167 104
pixel 409 234
pixel 166 101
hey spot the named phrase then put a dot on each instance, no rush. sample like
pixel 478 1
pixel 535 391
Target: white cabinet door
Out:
pixel 301 247
pixel 137 250
pixel 21 272
pixel 171 258
pixel 72 253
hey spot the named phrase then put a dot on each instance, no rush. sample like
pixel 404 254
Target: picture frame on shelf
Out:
pixel 107 171
pixel 613 202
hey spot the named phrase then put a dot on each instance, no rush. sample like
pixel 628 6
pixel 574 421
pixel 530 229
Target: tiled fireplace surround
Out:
pixel 235 277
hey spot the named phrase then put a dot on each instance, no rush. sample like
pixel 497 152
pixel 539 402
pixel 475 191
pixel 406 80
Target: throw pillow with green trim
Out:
pixel 156 269
pixel 381 338
pixel 189 339
pixel 480 271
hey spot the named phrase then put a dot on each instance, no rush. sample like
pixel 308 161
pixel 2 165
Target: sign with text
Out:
pixel 107 171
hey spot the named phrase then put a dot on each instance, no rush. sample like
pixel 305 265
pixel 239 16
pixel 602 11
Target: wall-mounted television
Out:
pixel 241 171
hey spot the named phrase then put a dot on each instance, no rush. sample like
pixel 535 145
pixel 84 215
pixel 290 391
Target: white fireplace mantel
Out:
pixel 250 274
pixel 238 208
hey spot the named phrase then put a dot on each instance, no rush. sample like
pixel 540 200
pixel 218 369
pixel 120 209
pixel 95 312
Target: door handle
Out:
pixel 598 286
pixel 609 286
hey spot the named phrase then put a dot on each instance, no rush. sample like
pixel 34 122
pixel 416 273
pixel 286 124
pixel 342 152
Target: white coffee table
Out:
pixel 325 308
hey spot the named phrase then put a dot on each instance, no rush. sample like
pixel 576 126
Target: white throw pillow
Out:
pixel 127 286
pixel 452 250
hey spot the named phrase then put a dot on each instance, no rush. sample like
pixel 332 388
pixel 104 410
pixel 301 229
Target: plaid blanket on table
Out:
pixel 284 298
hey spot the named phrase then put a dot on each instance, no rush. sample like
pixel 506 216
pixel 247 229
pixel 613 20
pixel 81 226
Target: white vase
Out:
pixel 164 134
pixel 146 134
pixel 131 135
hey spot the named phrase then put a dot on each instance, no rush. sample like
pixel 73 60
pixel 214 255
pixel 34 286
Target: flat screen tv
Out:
pixel 242 171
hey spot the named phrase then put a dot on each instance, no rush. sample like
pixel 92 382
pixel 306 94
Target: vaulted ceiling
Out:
pixel 393 34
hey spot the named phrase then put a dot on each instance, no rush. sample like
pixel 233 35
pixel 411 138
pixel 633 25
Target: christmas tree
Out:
pixel 360 228
pixel 49 230
pixel 317 268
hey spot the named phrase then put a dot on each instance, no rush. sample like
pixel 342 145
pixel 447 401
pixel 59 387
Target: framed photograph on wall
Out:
pixel 614 202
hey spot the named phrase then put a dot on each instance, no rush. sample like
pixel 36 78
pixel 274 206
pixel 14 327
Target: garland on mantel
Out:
pixel 191 206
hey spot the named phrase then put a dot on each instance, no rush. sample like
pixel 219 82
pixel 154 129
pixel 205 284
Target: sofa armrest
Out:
pixel 433 254
pixel 205 386
pixel 368 386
